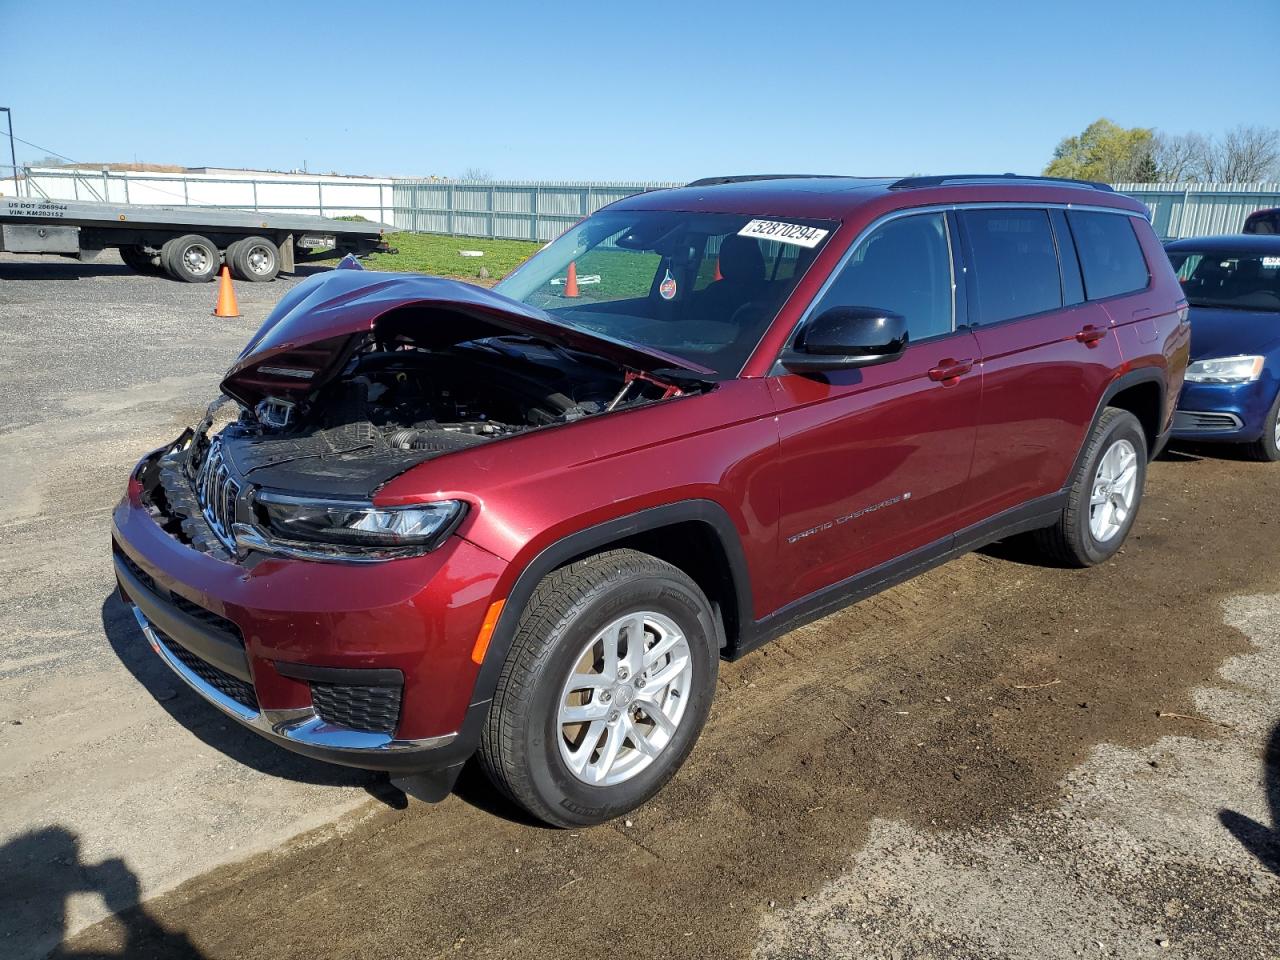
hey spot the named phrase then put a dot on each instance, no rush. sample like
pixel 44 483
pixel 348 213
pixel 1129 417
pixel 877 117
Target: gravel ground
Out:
pixel 100 365
pixel 995 760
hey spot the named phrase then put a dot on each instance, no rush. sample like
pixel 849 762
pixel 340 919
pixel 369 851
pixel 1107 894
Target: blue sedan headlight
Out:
pixel 1225 370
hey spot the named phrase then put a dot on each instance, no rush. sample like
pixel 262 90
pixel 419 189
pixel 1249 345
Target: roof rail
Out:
pixel 747 178
pixel 910 183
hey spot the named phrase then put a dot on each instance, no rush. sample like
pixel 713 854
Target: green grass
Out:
pixel 438 255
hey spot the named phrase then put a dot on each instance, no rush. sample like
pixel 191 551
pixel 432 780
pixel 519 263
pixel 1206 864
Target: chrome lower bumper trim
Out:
pixel 300 725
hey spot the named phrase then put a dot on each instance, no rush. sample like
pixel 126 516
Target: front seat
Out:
pixel 743 279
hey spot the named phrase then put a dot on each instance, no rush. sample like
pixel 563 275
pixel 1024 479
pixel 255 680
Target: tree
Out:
pixel 1246 154
pixel 1103 151
pixel 1180 157
pixel 477 173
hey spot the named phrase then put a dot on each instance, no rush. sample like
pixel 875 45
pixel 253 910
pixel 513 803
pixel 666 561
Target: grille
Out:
pixel 225 683
pixel 1208 422
pixel 143 577
pixel 217 492
pixel 206 616
pixel 372 709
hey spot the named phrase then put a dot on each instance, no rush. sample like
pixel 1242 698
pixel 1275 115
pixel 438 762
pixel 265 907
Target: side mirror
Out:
pixel 845 337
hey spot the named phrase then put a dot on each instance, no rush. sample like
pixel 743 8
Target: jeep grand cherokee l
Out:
pixel 435 521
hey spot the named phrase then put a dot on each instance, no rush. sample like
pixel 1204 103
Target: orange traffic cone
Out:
pixel 571 281
pixel 718 275
pixel 226 306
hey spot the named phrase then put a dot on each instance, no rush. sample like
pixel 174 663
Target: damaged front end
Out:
pixel 358 377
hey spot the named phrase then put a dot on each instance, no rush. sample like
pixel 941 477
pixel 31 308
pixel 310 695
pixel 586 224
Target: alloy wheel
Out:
pixel 1115 487
pixel 624 699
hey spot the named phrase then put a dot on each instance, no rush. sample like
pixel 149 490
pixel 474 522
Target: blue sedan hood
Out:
pixel 1229 333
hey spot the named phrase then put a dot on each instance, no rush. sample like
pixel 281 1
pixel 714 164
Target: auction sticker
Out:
pixel 796 234
pixel 1271 261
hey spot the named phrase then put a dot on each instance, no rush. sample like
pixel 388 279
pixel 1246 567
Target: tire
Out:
pixel 1267 447
pixel 1074 541
pixel 527 747
pixel 191 258
pixel 254 259
pixel 136 258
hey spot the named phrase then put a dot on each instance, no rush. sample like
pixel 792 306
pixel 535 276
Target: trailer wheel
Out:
pixel 137 258
pixel 191 258
pixel 255 259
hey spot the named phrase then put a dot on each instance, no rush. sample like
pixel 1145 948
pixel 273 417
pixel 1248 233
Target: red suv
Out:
pixel 437 521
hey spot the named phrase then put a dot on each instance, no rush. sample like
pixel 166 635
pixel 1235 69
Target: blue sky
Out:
pixel 610 91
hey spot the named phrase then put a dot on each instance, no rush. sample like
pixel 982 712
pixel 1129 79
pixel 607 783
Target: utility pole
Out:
pixel 13 157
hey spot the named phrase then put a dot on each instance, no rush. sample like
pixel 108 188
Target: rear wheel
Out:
pixel 192 258
pixel 1267 447
pixel 255 259
pixel 137 258
pixel 605 690
pixel 1104 496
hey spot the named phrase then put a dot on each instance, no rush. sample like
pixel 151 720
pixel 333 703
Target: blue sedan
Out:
pixel 1232 391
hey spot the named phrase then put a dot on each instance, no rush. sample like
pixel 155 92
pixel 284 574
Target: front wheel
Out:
pixel 607 685
pixel 1104 495
pixel 1267 447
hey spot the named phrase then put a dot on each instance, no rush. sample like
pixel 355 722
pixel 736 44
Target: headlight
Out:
pixel 319 528
pixel 1225 370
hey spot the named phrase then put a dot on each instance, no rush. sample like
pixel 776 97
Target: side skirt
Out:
pixel 1034 515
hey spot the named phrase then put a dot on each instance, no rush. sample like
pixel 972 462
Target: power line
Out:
pixel 52 153
pixel 55 153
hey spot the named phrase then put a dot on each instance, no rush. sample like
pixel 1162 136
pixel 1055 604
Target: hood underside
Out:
pixel 307 337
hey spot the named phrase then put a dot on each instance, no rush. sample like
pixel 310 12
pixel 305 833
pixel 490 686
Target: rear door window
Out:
pixel 1110 256
pixel 1015 263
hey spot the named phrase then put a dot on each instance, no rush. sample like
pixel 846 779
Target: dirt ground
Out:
pixel 994 760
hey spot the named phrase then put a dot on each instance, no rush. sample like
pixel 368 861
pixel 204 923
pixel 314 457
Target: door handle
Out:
pixel 1090 335
pixel 949 369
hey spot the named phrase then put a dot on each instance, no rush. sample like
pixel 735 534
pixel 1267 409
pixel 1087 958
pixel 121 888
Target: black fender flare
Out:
pixel 582 543
pixel 1123 382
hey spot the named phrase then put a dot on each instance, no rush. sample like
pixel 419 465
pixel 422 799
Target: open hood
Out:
pixel 307 337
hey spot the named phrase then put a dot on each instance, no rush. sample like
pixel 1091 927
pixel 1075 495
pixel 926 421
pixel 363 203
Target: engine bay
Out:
pixel 397 404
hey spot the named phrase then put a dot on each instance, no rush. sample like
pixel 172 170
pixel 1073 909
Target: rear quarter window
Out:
pixel 1111 258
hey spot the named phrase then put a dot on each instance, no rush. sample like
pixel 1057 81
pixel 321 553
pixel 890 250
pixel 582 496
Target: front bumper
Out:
pixel 1233 412
pixel 299 728
pixel 263 639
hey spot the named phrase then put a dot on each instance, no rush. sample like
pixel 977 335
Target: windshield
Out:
pixel 701 286
pixel 1241 281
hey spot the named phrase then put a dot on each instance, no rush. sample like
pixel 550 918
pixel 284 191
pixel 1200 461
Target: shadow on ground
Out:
pixel 64 269
pixel 246 747
pixel 39 873
pixel 204 720
pixel 1260 839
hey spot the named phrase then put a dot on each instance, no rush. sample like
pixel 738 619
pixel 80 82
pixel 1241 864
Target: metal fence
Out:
pixel 1201 209
pixel 541 211
pixel 521 210
pixel 512 210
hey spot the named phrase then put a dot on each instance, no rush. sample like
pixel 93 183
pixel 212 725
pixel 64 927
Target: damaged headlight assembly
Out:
pixel 316 528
